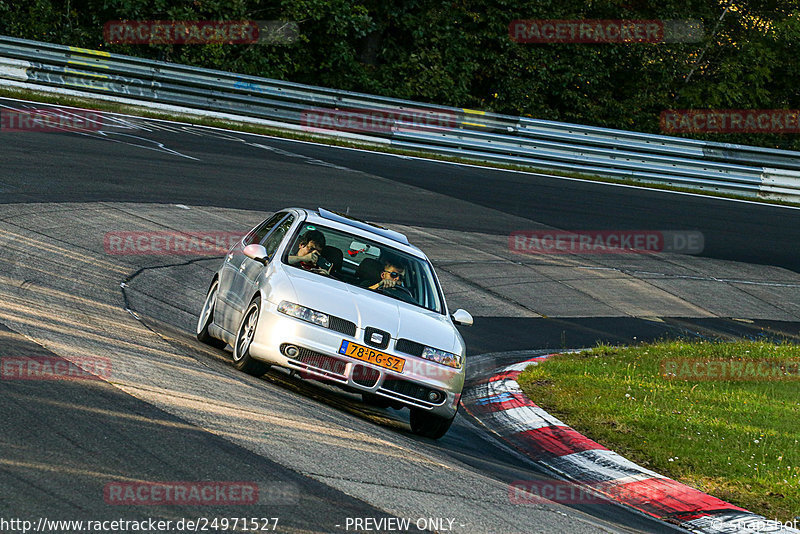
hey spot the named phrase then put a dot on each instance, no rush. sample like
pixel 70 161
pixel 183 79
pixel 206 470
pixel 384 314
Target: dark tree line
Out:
pixel 459 53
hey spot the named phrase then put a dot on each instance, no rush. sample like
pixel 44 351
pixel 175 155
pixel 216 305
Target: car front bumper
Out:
pixel 318 357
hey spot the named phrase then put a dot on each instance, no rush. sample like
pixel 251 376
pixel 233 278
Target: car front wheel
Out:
pixel 244 338
pixel 376 400
pixel 426 424
pixel 207 317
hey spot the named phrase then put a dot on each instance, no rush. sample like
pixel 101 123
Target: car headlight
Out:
pixel 445 358
pixel 303 313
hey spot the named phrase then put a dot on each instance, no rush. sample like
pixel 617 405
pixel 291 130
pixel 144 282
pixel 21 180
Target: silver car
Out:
pixel 343 301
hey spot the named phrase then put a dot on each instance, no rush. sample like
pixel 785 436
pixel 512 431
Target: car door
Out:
pixel 228 299
pixel 244 282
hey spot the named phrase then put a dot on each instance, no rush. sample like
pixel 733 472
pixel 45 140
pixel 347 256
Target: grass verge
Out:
pixel 738 440
pixel 144 111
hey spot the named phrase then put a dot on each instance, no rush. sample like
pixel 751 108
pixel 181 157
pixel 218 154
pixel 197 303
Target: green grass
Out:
pixel 144 111
pixel 736 440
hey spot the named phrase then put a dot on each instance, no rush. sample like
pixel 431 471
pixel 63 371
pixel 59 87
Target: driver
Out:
pixel 391 276
pixel 309 249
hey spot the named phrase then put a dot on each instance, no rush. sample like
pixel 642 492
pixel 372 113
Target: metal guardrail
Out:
pixel 468 134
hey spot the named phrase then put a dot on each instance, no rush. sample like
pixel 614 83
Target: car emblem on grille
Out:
pixel 376 338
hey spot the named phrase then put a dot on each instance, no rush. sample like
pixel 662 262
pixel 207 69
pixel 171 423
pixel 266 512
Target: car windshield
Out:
pixel 360 262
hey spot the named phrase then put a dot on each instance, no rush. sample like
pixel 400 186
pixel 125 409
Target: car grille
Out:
pixel 413 390
pixel 365 376
pixel 320 361
pixel 342 326
pixel 409 347
pixel 384 336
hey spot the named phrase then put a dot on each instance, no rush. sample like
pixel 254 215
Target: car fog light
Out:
pixel 291 351
pixel 433 396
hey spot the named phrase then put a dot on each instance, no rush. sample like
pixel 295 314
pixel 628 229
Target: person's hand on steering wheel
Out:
pixel 388 283
pixel 393 286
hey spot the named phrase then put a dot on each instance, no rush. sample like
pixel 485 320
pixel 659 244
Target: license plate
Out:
pixel 365 354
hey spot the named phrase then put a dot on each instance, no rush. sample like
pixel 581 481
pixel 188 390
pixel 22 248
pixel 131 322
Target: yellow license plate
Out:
pixel 373 356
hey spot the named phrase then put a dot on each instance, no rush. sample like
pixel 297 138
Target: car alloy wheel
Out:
pixel 207 317
pixel 244 338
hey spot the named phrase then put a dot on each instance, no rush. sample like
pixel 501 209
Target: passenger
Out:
pixel 309 250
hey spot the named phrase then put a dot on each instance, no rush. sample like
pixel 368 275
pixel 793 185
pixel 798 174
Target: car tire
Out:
pixel 207 317
pixel 426 424
pixel 376 401
pixel 244 337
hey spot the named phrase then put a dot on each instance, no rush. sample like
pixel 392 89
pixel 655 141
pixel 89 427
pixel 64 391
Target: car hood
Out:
pixel 367 308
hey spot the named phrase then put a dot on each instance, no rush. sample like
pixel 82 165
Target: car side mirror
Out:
pixel 256 252
pixel 462 317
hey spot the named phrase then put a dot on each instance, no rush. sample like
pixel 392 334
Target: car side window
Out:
pixel 274 240
pixel 260 231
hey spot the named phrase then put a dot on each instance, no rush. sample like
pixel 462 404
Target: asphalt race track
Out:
pixel 173 409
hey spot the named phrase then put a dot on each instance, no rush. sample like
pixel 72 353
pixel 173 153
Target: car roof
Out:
pixel 362 228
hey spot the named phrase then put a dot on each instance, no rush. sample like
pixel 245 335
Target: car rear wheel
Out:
pixel 426 424
pixel 244 338
pixel 207 317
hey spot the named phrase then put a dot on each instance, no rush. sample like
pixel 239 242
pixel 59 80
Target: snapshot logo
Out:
pixel 170 243
pixel 605 242
pixel 769 121
pixel 232 32
pixel 376 120
pixel 54 368
pixel 49 120
pixel 730 369
pixel 747 523
pixel 565 492
pixel 594 31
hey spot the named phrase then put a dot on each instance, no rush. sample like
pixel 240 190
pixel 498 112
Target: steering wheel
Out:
pixel 403 293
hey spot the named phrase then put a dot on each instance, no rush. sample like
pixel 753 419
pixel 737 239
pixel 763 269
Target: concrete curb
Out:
pixel 500 405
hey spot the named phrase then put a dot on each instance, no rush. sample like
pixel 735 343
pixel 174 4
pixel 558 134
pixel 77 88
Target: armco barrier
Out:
pixel 473 135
